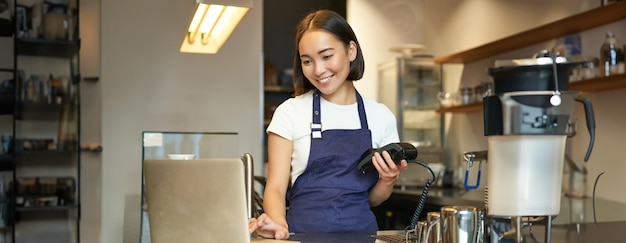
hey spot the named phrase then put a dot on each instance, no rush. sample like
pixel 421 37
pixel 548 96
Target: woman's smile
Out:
pixel 325 80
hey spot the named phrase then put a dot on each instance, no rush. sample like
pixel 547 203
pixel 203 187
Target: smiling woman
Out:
pixel 329 193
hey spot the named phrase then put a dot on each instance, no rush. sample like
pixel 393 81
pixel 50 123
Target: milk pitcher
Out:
pixel 428 231
pixel 461 224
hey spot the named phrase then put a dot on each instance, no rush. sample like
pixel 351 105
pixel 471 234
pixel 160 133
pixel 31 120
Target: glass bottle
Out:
pixel 609 55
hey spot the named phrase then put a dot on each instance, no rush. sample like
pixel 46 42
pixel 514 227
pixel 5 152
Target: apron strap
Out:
pixel 316 125
pixel 361 107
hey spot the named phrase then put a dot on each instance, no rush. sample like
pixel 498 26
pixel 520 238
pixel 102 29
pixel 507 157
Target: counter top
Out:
pixel 570 233
pixel 573 210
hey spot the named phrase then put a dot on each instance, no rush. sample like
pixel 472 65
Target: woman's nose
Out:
pixel 319 68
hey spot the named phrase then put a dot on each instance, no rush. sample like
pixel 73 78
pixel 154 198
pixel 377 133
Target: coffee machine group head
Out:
pixel 527 120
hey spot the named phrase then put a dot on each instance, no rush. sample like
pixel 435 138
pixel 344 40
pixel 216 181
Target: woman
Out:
pixel 317 138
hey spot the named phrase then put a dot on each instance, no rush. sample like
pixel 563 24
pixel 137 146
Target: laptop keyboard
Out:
pixel 397 238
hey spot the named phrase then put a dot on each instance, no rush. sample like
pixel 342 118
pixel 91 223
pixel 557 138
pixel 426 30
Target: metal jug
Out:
pixel 461 224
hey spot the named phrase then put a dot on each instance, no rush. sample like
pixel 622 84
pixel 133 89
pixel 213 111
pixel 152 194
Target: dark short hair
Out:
pixel 336 25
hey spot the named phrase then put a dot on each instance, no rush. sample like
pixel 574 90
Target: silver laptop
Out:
pixel 200 200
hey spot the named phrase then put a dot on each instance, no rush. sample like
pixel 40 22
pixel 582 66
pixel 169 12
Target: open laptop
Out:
pixel 200 200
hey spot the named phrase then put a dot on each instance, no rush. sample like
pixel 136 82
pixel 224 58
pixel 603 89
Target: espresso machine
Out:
pixel 527 120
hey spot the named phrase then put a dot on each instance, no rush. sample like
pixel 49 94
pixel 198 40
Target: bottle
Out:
pixel 609 55
pixel 621 61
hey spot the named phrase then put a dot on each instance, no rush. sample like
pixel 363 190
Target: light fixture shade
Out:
pixel 212 24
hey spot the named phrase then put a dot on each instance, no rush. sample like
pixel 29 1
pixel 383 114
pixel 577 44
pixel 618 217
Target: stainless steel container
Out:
pixel 461 224
pixel 433 222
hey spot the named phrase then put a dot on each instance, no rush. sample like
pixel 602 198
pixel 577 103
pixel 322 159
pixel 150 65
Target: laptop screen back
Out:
pixel 199 200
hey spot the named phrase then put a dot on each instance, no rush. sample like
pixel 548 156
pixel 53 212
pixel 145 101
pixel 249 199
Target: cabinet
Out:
pixel 409 87
pixel 570 25
pixel 40 120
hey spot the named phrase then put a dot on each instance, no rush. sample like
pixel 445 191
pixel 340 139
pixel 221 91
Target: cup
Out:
pixel 461 224
pixel 434 227
pixel 422 232
pixel 447 99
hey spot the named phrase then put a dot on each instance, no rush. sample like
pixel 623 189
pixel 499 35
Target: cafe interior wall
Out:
pixel 91 122
pixel 131 63
pixel 146 84
pixel 380 25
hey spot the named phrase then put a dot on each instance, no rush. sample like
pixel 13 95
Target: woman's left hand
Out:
pixel 387 169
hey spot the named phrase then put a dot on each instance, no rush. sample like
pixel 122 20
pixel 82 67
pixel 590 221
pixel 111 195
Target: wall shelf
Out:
pixel 474 107
pixel 91 148
pixel 49 48
pixel 566 26
pixel 598 84
pixel 45 208
pixel 277 88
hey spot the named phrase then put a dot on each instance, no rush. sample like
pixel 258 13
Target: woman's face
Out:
pixel 325 60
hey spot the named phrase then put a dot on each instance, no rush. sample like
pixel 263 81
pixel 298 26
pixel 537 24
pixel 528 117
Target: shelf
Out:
pixel 461 108
pixel 45 208
pixel 43 105
pixel 6 162
pixel 600 84
pixel 45 152
pixel 566 26
pixel 277 88
pixel 421 85
pixel 95 149
pixel 48 48
pixel 420 107
pixel 419 128
pixel 91 79
pixel 590 85
pixel 6 104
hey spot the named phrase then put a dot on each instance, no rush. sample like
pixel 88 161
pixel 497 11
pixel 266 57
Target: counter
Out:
pixel 573 210
pixel 570 233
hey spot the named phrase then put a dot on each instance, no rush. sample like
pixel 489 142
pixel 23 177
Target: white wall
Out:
pixel 147 85
pixel 380 25
pixel 91 122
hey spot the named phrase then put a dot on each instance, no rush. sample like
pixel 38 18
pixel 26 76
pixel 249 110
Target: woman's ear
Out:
pixel 352 50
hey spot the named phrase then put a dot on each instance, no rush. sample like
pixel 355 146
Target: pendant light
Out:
pixel 212 24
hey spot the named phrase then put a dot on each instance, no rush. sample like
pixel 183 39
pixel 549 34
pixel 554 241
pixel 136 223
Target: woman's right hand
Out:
pixel 267 228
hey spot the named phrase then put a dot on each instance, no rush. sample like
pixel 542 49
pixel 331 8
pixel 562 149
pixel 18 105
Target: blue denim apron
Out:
pixel 331 195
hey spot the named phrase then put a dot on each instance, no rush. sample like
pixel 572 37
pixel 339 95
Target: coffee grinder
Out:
pixel 527 121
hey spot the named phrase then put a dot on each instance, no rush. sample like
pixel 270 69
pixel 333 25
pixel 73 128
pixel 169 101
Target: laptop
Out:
pixel 200 200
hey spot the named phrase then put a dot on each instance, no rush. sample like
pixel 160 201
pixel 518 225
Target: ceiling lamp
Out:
pixel 212 24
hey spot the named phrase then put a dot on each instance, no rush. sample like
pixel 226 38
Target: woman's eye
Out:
pixel 305 62
pixel 327 57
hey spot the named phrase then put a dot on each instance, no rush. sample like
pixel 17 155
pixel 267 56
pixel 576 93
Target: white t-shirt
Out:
pixel 292 120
